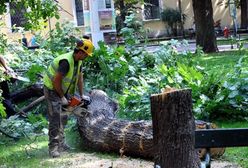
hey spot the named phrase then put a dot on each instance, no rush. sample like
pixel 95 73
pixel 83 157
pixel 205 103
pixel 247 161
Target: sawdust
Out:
pixel 86 160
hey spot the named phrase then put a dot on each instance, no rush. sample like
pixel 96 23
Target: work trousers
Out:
pixel 57 120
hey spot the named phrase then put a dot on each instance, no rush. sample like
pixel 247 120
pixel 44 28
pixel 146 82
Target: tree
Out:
pixel 38 11
pixel 244 13
pixel 205 34
pixel 125 8
pixel 182 17
pixel 172 17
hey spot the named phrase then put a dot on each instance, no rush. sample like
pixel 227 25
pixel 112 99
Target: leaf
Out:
pixel 233 94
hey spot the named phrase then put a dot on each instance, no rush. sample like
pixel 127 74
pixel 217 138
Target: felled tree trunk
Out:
pixel 35 90
pixel 101 130
pixel 10 99
pixel 174 130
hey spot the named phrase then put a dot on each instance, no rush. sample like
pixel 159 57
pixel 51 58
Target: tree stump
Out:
pixel 173 130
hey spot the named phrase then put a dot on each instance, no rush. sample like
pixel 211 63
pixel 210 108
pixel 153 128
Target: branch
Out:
pixel 32 104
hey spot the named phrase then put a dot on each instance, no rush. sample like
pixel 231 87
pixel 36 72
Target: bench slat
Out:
pixel 211 138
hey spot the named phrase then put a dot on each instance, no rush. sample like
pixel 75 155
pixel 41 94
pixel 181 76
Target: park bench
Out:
pixel 214 138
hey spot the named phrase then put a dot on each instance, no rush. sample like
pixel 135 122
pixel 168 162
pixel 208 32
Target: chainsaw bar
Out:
pixel 79 110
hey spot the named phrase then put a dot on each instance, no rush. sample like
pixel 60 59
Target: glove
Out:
pixel 64 101
pixel 86 99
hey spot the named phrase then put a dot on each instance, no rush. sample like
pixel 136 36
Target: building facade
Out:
pixel 76 11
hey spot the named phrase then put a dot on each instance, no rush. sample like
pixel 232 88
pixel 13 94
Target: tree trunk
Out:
pixel 173 130
pixel 35 90
pixel 205 34
pixel 182 21
pixel 101 130
pixel 244 14
pixel 120 5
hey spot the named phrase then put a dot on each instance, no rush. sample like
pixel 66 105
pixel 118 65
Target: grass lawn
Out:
pixel 222 61
pixel 239 154
pixel 24 153
pixel 229 41
pixel 33 152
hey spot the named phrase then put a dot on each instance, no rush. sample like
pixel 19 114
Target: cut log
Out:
pixel 21 95
pixel 174 130
pixel 101 130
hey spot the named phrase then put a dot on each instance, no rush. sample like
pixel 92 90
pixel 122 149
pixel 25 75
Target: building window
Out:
pixel 151 9
pixel 17 15
pixel 79 12
pixel 108 3
pixel 86 5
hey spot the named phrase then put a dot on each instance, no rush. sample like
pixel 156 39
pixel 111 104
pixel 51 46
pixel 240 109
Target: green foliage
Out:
pixel 107 69
pixel 34 72
pixel 16 127
pixel 38 121
pixel 126 7
pixel 134 31
pixel 38 11
pixel 3 42
pixel 215 94
pixel 172 17
pixel 2 110
pixel 62 38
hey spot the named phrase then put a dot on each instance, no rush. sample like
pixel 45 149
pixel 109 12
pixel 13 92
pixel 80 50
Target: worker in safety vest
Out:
pixel 60 82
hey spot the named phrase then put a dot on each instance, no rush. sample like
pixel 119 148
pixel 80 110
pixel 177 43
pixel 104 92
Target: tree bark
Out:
pixel 173 130
pixel 35 90
pixel 182 21
pixel 244 14
pixel 205 34
pixel 101 130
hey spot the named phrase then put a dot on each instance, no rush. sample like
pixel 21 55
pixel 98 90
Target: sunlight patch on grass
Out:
pixel 238 155
pixel 24 153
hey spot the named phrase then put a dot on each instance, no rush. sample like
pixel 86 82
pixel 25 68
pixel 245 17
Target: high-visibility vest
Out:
pixel 69 81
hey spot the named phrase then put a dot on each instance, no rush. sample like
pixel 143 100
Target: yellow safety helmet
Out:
pixel 87 46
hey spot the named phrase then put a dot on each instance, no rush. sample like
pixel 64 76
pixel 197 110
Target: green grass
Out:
pixel 222 61
pixel 33 152
pixel 238 154
pixel 24 153
pixel 230 42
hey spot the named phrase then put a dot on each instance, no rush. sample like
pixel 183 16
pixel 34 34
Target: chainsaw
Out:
pixel 77 107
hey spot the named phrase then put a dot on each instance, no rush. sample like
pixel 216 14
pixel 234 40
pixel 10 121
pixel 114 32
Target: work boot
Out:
pixel 64 147
pixel 54 152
